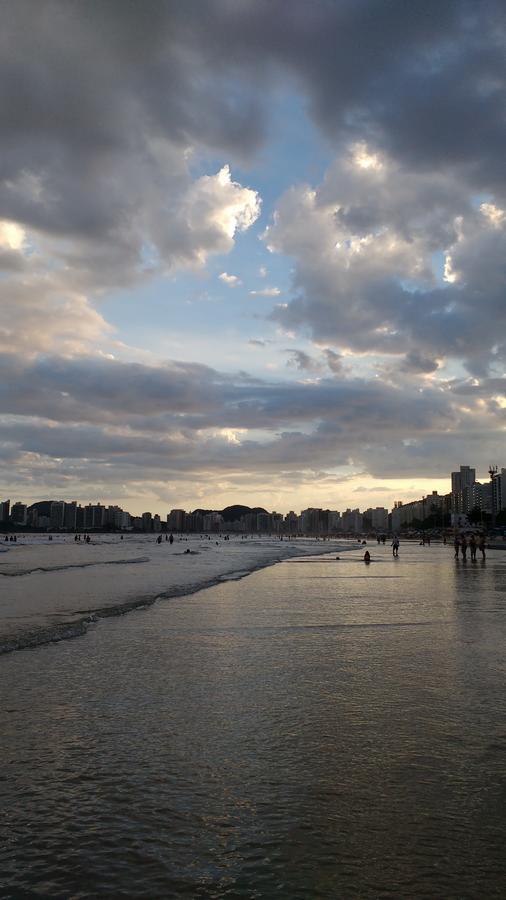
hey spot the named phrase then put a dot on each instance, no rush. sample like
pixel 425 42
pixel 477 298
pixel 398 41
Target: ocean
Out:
pixel 317 729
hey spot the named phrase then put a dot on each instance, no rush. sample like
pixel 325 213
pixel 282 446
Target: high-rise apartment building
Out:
pixel 176 520
pixel 462 493
pixel 378 517
pixel 147 521
pixel 19 514
pixel 462 479
pixel 94 515
pixel 498 489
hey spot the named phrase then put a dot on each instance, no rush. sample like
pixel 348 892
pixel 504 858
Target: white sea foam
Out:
pixel 50 590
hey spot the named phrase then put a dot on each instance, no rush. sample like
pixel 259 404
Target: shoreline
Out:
pixel 38 636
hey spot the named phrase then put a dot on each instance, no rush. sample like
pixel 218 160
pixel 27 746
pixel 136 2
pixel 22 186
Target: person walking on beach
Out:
pixel 463 547
pixel 481 545
pixel 395 546
pixel 456 545
pixel 472 547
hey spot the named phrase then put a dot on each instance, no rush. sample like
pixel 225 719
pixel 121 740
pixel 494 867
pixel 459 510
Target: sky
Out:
pixel 251 250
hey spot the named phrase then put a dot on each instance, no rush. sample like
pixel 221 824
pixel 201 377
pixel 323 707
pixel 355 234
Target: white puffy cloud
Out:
pixel 230 280
pixel 206 219
pixel 366 244
pixel 46 293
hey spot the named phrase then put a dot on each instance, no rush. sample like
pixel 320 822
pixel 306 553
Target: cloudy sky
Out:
pixel 251 250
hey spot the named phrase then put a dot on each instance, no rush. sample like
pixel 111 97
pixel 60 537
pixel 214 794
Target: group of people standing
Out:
pixel 167 538
pixel 473 543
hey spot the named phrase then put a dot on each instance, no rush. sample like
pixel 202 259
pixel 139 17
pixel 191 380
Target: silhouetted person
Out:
pixel 472 547
pixel 463 547
pixel 456 545
pixel 367 557
pixel 395 546
pixel 481 545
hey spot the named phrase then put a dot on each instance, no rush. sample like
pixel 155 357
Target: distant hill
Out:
pixel 232 513
pixel 43 507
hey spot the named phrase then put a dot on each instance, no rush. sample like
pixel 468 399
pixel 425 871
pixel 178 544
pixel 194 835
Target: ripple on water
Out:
pixel 269 737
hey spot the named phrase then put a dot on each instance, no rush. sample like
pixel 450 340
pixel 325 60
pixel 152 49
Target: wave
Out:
pixel 235 576
pixel 48 634
pixel 84 565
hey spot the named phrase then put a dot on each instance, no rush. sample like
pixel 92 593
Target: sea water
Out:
pixel 52 586
pixel 319 729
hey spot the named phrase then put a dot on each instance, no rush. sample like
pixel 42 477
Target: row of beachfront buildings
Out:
pixel 467 498
pixel 482 501
pixel 60 515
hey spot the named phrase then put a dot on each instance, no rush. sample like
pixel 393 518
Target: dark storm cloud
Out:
pixel 86 87
pixel 424 80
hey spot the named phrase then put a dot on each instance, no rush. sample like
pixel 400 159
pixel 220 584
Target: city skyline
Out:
pixel 250 250
pixel 467 493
